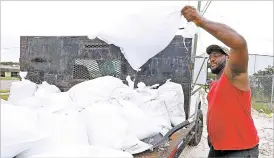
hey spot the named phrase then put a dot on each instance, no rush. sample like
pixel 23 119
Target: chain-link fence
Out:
pixel 261 75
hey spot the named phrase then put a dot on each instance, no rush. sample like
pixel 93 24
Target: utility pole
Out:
pixel 196 35
pixel 193 54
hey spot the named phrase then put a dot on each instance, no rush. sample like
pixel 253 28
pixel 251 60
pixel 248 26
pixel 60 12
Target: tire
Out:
pixel 198 129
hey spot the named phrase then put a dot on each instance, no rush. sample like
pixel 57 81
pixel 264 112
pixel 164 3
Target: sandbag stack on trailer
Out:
pixel 98 114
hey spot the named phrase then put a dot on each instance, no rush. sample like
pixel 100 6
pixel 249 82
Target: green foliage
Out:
pixel 9 78
pixel 4 91
pixel 262 106
pixel 211 76
pixel 9 63
pixel 261 84
pixel 267 71
pixel 5 97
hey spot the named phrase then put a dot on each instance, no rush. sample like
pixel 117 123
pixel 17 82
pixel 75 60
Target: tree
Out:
pixel 261 84
pixel 9 63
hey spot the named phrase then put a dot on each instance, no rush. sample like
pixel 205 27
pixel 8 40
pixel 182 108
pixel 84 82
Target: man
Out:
pixel 231 129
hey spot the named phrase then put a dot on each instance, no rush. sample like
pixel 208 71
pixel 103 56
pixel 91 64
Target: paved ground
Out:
pixel 5 84
pixel 202 149
pixel 263 123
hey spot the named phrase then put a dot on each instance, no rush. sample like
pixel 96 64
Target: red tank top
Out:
pixel 229 122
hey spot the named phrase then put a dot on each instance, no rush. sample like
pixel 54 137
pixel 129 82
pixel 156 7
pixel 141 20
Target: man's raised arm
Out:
pixel 237 65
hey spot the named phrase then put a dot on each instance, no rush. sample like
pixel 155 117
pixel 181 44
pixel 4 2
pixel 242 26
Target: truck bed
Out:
pixel 178 140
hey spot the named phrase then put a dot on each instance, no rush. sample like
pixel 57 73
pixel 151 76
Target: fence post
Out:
pixel 255 64
pixel 271 100
pixel 272 90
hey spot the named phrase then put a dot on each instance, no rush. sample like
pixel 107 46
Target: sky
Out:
pixel 252 19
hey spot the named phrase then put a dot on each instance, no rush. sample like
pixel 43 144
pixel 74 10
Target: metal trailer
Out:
pixel 65 61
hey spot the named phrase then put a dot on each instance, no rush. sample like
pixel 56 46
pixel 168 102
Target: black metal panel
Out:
pixel 171 63
pixel 66 61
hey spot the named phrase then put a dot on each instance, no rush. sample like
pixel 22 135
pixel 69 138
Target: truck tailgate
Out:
pixel 178 139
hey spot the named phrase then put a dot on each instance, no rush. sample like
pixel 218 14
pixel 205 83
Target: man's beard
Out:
pixel 218 69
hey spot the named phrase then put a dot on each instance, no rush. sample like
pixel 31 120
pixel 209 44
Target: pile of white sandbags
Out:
pixel 93 116
pixel 159 107
pixel 29 94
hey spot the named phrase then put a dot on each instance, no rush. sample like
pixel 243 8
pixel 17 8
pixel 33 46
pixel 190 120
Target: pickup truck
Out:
pixel 67 60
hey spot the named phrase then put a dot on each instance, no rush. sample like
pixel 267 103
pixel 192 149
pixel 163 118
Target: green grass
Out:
pixel 5 97
pixel 258 106
pixel 9 78
pixel 4 91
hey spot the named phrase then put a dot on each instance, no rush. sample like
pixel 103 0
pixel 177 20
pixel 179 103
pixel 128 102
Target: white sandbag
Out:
pixel 21 89
pixel 175 120
pixel 194 101
pixel 92 91
pixel 130 82
pixel 173 97
pixel 20 129
pixel 69 128
pixel 84 151
pixel 23 74
pixel 152 105
pixel 65 129
pixel 137 96
pixel 107 127
pixel 127 93
pixel 46 88
pixel 56 101
pixel 32 102
pixel 141 124
pixel 157 109
pixel 141 85
pixel 189 31
pixel 142 30
pixel 148 100
pixel 53 102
